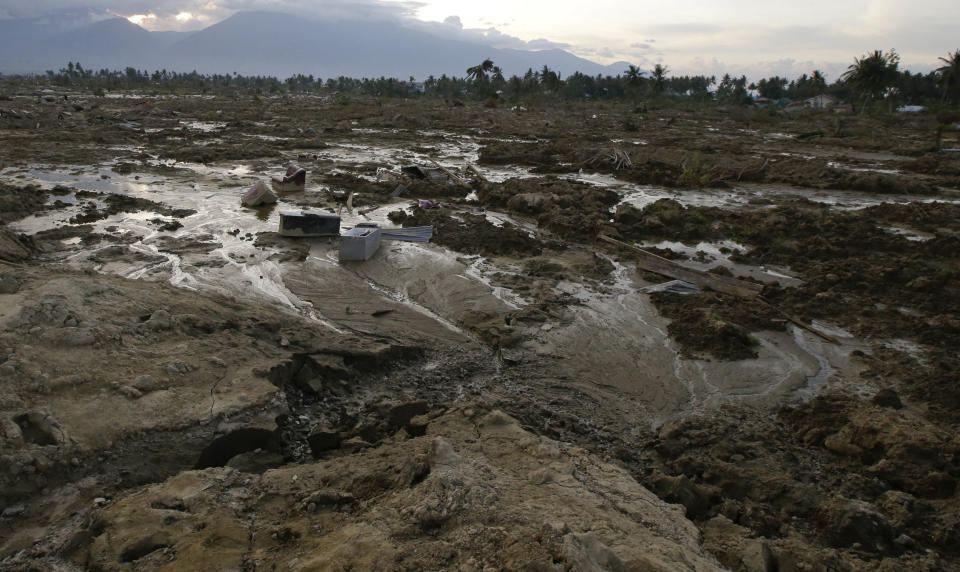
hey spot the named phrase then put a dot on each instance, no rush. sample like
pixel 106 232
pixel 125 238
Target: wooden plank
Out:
pixel 658 264
pixel 741 288
pixel 798 322
pixel 451 174
pixel 477 172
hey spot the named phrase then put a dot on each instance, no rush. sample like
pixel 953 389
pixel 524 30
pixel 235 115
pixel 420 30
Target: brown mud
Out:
pixel 181 387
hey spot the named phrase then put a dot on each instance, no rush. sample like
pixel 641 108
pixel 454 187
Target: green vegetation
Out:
pixel 871 78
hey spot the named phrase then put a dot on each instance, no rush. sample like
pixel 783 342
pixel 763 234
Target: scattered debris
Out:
pixel 295 180
pixel 451 174
pixel 409 234
pixel 433 175
pixel 616 158
pixel 653 263
pixel 673 287
pixel 309 224
pixel 258 194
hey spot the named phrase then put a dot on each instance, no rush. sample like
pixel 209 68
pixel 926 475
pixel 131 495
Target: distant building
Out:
pixel 822 102
pixel 795 106
pixel 762 101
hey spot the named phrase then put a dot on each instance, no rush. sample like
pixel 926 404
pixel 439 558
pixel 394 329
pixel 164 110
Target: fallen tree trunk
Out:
pixel 726 285
pixel 662 266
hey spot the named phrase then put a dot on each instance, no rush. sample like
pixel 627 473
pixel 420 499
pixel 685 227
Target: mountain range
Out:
pixel 268 43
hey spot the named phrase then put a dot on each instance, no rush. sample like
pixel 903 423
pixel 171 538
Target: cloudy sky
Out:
pixel 689 36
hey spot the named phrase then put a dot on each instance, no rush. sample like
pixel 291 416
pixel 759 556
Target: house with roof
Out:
pixel 822 101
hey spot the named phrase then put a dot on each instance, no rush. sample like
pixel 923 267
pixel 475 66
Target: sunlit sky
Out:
pixel 689 36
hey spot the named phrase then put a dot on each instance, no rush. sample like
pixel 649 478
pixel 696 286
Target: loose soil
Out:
pixel 182 387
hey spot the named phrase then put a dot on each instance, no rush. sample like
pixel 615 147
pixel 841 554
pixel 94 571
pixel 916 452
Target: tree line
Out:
pixel 872 77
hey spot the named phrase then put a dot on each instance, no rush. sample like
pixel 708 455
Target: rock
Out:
pixel 858 522
pixel 321 441
pixel 442 454
pixel 160 320
pixel 355 444
pixel 681 490
pixel 905 541
pixel 401 415
pixel 10 434
pixel 757 557
pixel 70 337
pixel 839 444
pixel 39 429
pixel 177 368
pixel 899 507
pixel 13 511
pixel 586 552
pixel 417 426
pixel 145 383
pixel 887 397
pixel 131 392
pixel 328 497
pixel 256 462
pixel 9 284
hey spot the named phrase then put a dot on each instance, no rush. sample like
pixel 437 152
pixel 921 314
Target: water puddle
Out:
pixel 910 234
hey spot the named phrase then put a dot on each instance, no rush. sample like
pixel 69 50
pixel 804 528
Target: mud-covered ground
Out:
pixel 183 388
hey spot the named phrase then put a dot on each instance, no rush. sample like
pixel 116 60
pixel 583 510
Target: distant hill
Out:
pixel 268 43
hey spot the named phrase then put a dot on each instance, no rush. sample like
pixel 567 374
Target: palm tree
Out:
pixel 871 75
pixel 634 75
pixel 819 81
pixel 659 72
pixel 949 73
pixel 479 72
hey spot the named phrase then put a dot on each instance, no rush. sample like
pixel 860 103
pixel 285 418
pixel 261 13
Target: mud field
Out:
pixel 183 388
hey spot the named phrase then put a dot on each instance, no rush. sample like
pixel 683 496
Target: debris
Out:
pixel 367 210
pixel 673 287
pixel 258 194
pixel 13 511
pixel 399 191
pixel 654 263
pixel 360 243
pixel 432 175
pixel 309 224
pixel 798 322
pixel 616 158
pixel 451 174
pixel 476 173
pixel 409 234
pixel 295 179
pixel 350 202
pixel 428 204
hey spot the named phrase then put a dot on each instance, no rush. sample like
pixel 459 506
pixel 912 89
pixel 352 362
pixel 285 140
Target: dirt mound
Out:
pixel 16 247
pixel 18 202
pixel 840 479
pixel 476 491
pixel 711 325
